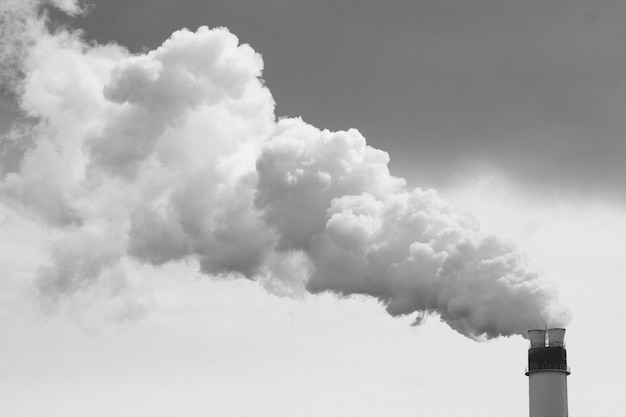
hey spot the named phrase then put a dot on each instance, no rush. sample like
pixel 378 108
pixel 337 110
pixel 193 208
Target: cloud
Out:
pixel 332 196
pixel 176 155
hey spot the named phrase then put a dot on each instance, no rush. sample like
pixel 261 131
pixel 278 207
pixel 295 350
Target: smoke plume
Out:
pixel 176 155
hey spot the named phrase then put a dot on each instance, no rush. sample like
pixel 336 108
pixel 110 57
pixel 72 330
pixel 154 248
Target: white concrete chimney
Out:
pixel 547 373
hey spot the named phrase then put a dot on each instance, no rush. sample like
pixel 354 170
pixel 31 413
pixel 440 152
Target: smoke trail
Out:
pixel 176 154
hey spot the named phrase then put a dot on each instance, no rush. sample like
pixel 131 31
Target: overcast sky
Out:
pixel 534 89
pixel 512 110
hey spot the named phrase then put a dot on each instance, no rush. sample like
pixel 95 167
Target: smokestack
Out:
pixel 547 373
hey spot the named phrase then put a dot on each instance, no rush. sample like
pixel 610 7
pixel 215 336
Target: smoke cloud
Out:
pixel 176 155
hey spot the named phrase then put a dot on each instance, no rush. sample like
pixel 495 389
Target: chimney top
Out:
pixel 537 338
pixel 556 337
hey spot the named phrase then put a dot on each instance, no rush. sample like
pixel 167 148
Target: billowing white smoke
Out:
pixel 176 155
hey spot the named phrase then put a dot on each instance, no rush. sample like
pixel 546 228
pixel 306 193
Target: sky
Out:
pixel 328 208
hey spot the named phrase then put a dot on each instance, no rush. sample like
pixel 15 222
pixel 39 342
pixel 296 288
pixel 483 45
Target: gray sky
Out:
pixel 448 88
pixel 115 215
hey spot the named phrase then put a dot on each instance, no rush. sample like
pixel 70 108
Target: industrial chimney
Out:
pixel 547 373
